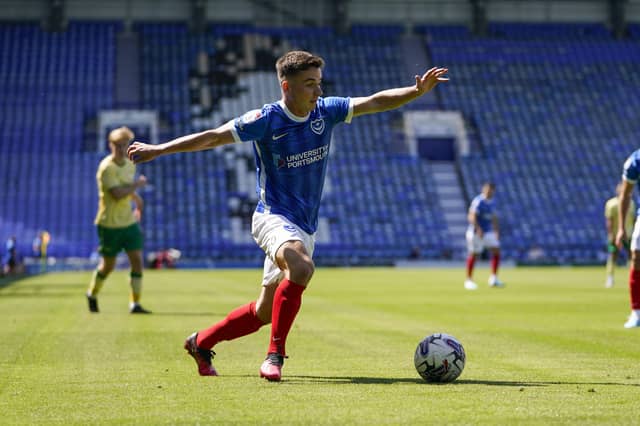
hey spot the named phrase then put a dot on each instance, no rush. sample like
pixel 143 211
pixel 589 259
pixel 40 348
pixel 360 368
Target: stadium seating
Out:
pixel 52 84
pixel 550 108
pixel 555 122
pixel 383 229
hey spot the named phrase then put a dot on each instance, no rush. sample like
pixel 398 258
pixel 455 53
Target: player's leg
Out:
pixel 291 250
pixel 108 249
pixel 474 246
pixel 298 268
pixel 494 281
pixel 612 258
pixel 634 279
pixel 135 282
pixel 241 321
pixel 100 274
pixel 492 243
pixel 132 240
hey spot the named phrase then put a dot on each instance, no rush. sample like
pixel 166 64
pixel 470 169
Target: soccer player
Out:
pixel 483 232
pixel 630 174
pixel 611 222
pixel 291 139
pixel 40 245
pixel 11 262
pixel 117 224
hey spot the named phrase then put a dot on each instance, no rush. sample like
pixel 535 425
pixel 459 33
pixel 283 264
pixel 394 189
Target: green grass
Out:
pixel 548 349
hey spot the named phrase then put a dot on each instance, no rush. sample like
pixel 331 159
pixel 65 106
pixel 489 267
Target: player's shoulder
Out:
pixel 106 162
pixel 332 102
pixel 258 113
pixel 633 159
pixel 475 202
pixel 478 198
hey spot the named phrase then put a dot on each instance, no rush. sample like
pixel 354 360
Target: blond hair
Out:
pixel 121 135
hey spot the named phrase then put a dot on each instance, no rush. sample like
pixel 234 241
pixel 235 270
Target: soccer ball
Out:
pixel 439 358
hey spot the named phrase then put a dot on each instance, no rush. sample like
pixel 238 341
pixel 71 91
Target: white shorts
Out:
pixel 475 244
pixel 270 231
pixel 635 237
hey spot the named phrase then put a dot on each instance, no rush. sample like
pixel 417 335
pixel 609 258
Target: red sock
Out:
pixel 286 304
pixel 239 322
pixel 634 288
pixel 471 260
pixel 495 261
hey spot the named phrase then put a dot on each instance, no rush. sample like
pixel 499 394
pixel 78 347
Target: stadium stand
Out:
pixel 549 108
pixel 52 84
pixel 555 123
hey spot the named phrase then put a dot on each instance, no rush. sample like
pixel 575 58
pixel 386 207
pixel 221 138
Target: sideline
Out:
pixel 448 264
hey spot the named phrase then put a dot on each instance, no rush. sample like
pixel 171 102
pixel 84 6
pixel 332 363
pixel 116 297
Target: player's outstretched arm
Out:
pixel 139 152
pixel 394 98
pixel 623 207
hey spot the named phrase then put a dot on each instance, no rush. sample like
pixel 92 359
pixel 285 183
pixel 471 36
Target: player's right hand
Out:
pixel 142 181
pixel 139 152
pixel 621 236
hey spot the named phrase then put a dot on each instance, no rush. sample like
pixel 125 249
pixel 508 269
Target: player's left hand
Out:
pixel 430 79
pixel 139 152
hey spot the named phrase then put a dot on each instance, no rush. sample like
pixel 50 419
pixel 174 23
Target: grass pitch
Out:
pixel 548 349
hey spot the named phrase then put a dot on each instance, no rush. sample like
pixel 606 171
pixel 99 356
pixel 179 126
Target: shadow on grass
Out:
pixel 187 314
pixel 461 382
pixel 43 290
pixel 10 280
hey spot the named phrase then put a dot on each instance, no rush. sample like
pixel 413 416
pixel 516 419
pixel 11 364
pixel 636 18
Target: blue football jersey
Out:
pixel 484 210
pixel 291 156
pixel 631 170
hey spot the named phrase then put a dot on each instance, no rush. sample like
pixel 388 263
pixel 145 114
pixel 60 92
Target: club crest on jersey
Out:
pixel 317 126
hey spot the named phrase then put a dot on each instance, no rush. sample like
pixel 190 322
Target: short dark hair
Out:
pixel 295 61
pixel 490 184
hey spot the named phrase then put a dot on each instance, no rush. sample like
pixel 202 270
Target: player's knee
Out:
pixel 302 270
pixel 105 270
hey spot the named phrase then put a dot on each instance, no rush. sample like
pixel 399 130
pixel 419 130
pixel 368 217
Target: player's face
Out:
pixel 118 150
pixel 301 91
pixel 489 191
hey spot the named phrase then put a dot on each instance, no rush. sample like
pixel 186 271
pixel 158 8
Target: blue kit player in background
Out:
pixel 630 175
pixel 291 140
pixel 483 232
